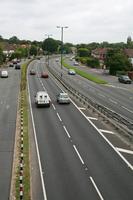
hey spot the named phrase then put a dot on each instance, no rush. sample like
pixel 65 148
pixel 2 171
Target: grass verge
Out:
pixel 26 167
pixel 85 75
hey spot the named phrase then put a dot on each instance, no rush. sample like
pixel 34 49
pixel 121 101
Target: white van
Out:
pixel 42 99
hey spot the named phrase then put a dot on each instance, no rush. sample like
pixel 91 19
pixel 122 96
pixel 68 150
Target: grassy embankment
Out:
pixel 84 74
pixel 26 168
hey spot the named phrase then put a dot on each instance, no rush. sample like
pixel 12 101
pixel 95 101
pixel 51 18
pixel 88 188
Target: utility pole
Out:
pixel 62 29
pixel 48 35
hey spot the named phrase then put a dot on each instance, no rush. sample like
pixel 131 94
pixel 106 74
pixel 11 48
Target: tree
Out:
pixel 83 52
pixel 1 56
pixel 50 45
pixel 129 42
pixel 1 38
pixel 92 62
pixel 33 50
pixel 116 60
pixel 14 40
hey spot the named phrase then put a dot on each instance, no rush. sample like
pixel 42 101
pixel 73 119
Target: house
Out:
pixel 99 53
pixel 9 49
pixel 129 53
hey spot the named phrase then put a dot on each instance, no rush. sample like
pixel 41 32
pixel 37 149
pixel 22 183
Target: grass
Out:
pixel 85 75
pixel 24 105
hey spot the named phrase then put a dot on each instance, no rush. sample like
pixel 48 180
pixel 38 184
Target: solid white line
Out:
pixel 78 154
pixel 106 131
pixel 111 145
pixel 127 109
pixel 59 117
pixel 53 106
pixel 113 101
pixel 66 131
pixel 36 143
pixel 93 118
pixel 94 184
pixel 124 150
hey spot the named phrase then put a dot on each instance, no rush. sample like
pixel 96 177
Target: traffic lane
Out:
pixel 108 169
pixel 61 166
pixel 115 95
pixel 9 88
pixel 37 188
pixel 64 176
pixel 101 160
pixel 105 99
pixel 113 80
pixel 112 92
pixel 109 132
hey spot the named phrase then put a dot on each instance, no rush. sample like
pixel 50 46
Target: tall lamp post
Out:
pixel 62 28
pixel 48 35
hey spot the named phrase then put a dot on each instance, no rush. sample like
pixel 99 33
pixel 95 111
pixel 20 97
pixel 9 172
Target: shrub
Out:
pixel 93 62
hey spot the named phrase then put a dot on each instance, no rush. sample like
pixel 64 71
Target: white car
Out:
pixel 63 98
pixel 76 63
pixel 4 74
pixel 57 60
pixel 71 72
pixel 42 99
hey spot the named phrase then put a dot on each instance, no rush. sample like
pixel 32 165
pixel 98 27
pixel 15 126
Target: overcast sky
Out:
pixel 87 20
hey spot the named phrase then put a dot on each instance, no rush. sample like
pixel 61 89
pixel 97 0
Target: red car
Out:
pixel 44 75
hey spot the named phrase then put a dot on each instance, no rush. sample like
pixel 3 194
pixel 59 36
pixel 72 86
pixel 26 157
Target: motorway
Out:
pixel 115 96
pixel 77 161
pixel 9 89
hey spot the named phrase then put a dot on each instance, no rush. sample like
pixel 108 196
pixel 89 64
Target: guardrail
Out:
pixel 119 121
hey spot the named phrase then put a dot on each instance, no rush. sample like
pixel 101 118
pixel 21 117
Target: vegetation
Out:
pixel 2 57
pixel 26 172
pixel 33 50
pixel 85 75
pixel 83 52
pixel 116 60
pixel 50 45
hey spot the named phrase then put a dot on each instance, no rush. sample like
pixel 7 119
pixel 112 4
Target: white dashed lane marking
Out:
pixel 124 150
pixel 78 154
pixel 66 131
pixel 95 186
pixel 106 131
pixel 53 106
pixel 59 117
pixel 92 118
pixel 82 108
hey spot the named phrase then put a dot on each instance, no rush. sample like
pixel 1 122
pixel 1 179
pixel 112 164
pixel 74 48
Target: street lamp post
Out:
pixel 48 35
pixel 62 28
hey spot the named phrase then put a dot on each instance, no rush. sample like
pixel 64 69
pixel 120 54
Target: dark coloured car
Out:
pixel 32 72
pixel 11 65
pixel 124 79
pixel 17 66
pixel 44 75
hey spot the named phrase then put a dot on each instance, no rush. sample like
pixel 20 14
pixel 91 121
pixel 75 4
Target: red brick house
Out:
pixel 129 53
pixel 99 53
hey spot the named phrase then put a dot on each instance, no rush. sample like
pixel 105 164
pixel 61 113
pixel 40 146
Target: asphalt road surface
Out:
pixel 76 160
pixel 9 89
pixel 114 96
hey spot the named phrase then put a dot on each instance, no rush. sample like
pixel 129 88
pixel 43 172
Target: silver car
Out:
pixel 63 98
